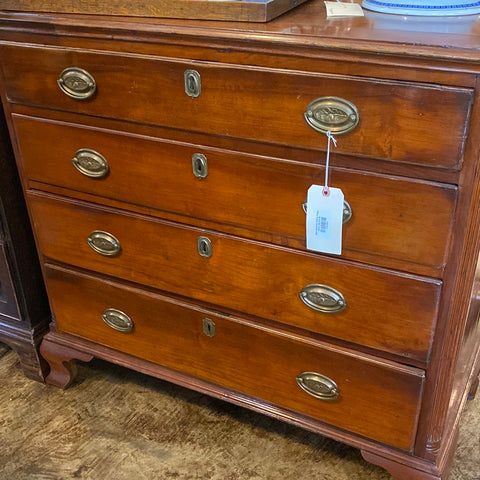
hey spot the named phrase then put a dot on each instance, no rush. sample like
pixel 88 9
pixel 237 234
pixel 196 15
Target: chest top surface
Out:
pixel 449 38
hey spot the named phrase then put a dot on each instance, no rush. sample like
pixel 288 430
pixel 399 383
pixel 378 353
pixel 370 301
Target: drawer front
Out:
pixel 411 220
pixel 380 309
pixel 8 301
pixel 375 399
pixel 397 121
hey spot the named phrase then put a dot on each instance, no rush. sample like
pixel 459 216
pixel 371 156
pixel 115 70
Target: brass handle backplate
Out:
pixel 318 386
pixel 90 163
pixel 347 211
pixel 77 83
pixel 322 298
pixel 332 114
pixel 104 243
pixel 117 320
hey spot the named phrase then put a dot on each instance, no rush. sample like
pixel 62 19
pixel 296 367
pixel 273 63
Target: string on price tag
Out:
pixel 325 212
pixel 331 139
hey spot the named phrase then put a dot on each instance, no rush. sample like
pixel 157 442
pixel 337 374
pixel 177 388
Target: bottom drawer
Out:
pixel 359 393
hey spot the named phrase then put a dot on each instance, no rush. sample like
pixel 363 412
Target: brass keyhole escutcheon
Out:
pixel 193 83
pixel 204 247
pixel 209 328
pixel 199 165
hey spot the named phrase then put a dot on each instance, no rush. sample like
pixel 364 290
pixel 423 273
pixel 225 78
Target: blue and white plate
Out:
pixel 424 7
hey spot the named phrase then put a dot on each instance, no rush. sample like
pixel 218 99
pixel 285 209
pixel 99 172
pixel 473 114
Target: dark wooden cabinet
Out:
pixel 166 165
pixel 24 311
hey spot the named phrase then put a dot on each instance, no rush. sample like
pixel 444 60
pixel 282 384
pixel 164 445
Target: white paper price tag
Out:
pixel 324 220
pixel 339 9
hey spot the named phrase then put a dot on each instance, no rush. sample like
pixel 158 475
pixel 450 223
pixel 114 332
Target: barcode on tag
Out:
pixel 323 224
pixel 324 220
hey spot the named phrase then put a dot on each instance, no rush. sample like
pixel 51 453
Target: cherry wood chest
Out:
pixel 24 311
pixel 166 165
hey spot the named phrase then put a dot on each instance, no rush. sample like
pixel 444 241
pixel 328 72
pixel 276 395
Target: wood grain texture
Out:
pixel 256 81
pixel 231 10
pixel 258 362
pixel 385 310
pixel 25 343
pixel 412 218
pixel 398 122
pixel 62 363
pixel 454 41
pixel 444 397
pixel 399 471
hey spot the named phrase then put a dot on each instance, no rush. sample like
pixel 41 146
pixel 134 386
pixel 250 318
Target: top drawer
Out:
pixel 404 122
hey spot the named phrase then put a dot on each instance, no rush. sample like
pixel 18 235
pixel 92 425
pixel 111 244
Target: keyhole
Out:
pixel 191 83
pixel 193 86
pixel 204 247
pixel 199 165
pixel 209 328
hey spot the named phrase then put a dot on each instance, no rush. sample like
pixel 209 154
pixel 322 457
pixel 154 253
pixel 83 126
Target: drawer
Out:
pixel 376 399
pixel 380 309
pixel 404 122
pixel 391 217
pixel 8 300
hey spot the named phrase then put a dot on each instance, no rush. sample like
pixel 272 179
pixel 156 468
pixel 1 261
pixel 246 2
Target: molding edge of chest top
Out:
pixel 166 165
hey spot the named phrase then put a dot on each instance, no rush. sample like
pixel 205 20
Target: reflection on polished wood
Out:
pixel 207 175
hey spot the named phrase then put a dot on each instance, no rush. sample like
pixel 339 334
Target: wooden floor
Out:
pixel 115 424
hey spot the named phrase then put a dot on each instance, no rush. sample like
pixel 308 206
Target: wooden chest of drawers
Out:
pixel 166 166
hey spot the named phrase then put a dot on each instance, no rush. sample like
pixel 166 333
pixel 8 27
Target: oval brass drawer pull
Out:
pixel 104 243
pixel 323 298
pixel 117 320
pixel 318 386
pixel 90 163
pixel 332 114
pixel 77 83
pixel 347 211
